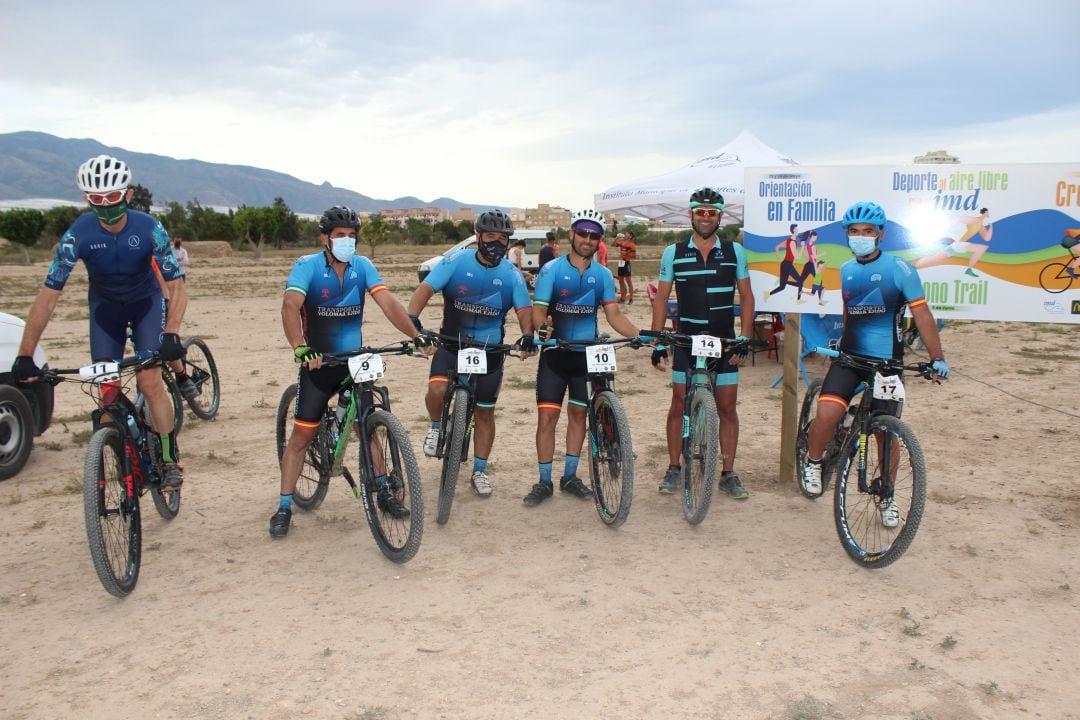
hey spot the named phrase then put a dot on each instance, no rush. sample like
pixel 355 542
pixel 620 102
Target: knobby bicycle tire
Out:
pixel 857 516
pixel 200 366
pixel 701 452
pixel 807 413
pixel 314 476
pixel 399 539
pixel 113 523
pixel 167 503
pixel 612 460
pixel 453 452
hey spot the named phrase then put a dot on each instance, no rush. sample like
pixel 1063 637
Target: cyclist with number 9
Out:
pixel 323 311
pixel 568 292
pixel 876 287
pixel 119 248
pixel 705 272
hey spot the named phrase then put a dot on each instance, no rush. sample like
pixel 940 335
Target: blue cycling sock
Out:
pixel 545 473
pixel 570 467
pixel 436 424
pixel 380 481
pixel 285 502
pixel 479 464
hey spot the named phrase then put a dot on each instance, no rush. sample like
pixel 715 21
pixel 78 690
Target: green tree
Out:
pixel 58 219
pixel 175 220
pixel 217 226
pixel 141 199
pixel 22 226
pixel 308 232
pixel 446 231
pixel 195 215
pixel 418 232
pixel 465 228
pixel 286 228
pixel 255 226
pixel 373 232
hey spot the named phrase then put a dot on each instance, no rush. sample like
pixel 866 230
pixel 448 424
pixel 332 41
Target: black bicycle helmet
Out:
pixel 338 216
pixel 707 196
pixel 494 221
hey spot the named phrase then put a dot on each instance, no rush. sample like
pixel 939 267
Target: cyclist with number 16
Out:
pixel 323 311
pixel 568 292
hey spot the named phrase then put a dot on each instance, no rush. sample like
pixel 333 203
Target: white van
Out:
pixel 25 408
pixel 530 259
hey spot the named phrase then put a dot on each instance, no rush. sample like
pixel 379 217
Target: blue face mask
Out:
pixel 861 246
pixel 343 248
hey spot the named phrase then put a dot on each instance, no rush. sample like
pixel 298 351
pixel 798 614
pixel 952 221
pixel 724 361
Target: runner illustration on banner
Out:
pixel 963 236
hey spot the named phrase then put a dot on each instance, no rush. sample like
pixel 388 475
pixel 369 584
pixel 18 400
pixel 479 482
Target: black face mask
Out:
pixel 492 252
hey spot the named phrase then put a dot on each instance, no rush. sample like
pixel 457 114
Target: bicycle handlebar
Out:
pixel 602 340
pixel 403 347
pixel 876 364
pixel 728 344
pixel 55 375
pixel 468 342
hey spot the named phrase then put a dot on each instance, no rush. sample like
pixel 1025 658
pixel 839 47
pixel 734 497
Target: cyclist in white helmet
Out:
pixel 119 248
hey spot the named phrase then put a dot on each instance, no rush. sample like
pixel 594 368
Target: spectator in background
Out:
pixel 515 255
pixel 549 251
pixel 181 254
pixel 627 252
pixel 601 253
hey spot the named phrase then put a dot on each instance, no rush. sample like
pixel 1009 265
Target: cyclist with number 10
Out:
pixel 322 311
pixel 705 272
pixel 568 292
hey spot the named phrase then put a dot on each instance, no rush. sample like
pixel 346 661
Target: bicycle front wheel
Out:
pixel 113 526
pixel 1054 279
pixel 612 463
pixel 456 428
pixel 701 452
pixel 873 533
pixel 397 533
pixel 200 367
pixel 314 476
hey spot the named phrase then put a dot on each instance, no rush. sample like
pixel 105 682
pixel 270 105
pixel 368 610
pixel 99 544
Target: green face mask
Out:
pixel 110 214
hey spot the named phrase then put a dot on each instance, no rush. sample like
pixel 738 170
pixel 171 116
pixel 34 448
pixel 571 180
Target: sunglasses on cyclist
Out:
pixel 109 198
pixel 705 212
pixel 595 236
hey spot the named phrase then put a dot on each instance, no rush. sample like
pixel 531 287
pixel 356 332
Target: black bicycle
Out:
pixel 701 422
pixel 123 461
pixel 458 408
pixel 611 450
pixel 385 452
pixel 198 364
pixel 880 489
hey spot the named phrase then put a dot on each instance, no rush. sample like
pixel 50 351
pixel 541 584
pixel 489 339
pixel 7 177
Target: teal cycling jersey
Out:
pixel 120 265
pixel 572 297
pixel 476 297
pixel 875 295
pixel 333 310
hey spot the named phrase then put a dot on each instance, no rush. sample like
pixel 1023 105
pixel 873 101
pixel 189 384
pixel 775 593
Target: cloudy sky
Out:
pixel 499 101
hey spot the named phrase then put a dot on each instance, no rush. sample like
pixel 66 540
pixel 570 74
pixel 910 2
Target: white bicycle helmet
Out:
pixel 590 215
pixel 103 174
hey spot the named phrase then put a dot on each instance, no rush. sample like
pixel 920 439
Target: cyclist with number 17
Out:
pixel 568 292
pixel 323 311
pixel 705 272
pixel 876 287
pixel 119 248
pixel 479 287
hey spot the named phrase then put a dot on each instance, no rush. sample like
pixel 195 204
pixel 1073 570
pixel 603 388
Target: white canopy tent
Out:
pixel 666 197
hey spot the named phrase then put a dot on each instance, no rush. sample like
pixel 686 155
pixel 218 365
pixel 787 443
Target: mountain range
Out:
pixel 39 165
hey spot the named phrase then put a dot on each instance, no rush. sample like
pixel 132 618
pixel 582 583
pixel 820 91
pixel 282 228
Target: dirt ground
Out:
pixel 515 612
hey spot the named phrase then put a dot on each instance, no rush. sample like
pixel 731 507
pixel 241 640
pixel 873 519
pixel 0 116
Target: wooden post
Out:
pixel 789 417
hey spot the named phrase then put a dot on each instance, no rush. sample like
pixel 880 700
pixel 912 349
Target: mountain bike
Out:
pixel 385 451
pixel 123 461
pixel 891 469
pixel 459 405
pixel 198 364
pixel 611 450
pixel 700 422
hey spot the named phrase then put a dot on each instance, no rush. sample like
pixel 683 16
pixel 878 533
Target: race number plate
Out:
pixel 101 372
pixel 471 361
pixel 600 358
pixel 706 346
pixel 888 387
pixel 366 367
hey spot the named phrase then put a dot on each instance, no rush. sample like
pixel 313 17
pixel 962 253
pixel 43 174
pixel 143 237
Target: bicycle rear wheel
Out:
pixel 701 452
pixel 858 509
pixel 455 424
pixel 807 414
pixel 200 367
pixel 612 460
pixel 398 538
pixel 315 472
pixel 1054 279
pixel 113 524
pixel 174 396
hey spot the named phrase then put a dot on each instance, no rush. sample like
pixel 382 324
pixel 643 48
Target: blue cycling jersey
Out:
pixel 875 295
pixel 572 297
pixel 333 310
pixel 476 297
pixel 119 265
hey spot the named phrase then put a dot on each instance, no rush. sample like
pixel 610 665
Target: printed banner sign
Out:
pixel 990 242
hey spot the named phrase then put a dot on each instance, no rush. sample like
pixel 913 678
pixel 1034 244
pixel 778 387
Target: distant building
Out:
pixel 429 215
pixel 547 216
pixel 937 157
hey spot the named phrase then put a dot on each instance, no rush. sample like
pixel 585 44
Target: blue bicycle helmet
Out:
pixel 864 212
